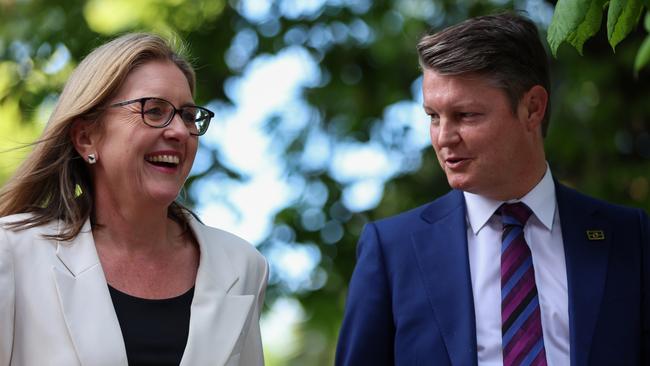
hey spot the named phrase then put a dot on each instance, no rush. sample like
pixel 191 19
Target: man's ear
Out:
pixel 534 103
pixel 84 137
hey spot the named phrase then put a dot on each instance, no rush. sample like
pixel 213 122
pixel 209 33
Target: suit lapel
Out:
pixel 217 316
pixel 586 262
pixel 86 303
pixel 441 252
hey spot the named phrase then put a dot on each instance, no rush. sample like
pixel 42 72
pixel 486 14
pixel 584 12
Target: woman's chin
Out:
pixel 163 197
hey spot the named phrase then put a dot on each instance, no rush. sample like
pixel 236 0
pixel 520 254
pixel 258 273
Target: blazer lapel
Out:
pixel 217 317
pixel 586 261
pixel 441 252
pixel 86 303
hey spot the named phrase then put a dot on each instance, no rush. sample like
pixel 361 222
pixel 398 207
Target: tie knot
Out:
pixel 515 213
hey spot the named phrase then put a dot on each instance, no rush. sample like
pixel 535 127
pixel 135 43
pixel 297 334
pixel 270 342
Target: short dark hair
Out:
pixel 504 48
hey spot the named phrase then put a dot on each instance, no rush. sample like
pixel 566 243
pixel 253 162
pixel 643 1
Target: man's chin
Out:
pixel 460 183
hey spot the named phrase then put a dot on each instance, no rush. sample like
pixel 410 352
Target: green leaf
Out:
pixel 574 21
pixel 622 18
pixel 589 26
pixel 646 22
pixel 643 55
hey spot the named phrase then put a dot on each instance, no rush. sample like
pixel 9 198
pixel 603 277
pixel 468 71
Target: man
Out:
pixel 510 267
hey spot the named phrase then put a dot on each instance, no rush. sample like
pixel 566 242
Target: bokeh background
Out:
pixel 319 126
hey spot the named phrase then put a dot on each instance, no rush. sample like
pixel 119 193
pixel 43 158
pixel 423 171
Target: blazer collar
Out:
pixel 86 303
pixel 441 252
pixel 80 255
pixel 444 206
pixel 215 272
pixel 586 262
pixel 217 315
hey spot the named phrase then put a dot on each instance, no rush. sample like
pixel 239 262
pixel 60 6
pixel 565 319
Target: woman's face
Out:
pixel 138 164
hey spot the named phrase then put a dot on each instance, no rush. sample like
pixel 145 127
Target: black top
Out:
pixel 155 331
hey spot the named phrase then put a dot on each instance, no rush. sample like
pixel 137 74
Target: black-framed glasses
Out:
pixel 158 113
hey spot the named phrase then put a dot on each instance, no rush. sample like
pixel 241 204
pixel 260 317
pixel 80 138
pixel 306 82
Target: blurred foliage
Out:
pixel 575 21
pixel 599 140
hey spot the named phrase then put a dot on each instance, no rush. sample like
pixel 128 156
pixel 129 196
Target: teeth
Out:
pixel 170 159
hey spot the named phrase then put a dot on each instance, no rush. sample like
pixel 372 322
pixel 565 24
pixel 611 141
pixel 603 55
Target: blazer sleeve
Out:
pixel 367 334
pixel 645 249
pixel 252 353
pixel 7 295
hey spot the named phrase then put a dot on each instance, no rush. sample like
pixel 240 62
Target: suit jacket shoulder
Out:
pixel 577 205
pixel 420 217
pixel 35 232
pixel 410 299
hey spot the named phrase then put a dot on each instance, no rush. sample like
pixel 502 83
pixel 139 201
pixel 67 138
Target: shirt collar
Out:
pixel 541 200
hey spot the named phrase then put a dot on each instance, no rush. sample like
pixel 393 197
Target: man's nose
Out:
pixel 447 132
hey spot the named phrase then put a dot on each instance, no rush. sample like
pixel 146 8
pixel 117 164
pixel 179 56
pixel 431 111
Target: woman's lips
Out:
pixel 166 161
pixel 168 169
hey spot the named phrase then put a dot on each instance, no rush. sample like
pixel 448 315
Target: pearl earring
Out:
pixel 92 159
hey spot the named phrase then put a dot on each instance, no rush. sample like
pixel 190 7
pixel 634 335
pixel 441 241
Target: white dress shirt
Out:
pixel 544 237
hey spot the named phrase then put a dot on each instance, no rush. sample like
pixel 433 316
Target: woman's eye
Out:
pixel 188 116
pixel 153 112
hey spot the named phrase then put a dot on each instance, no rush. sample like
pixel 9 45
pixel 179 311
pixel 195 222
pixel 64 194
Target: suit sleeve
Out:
pixel 368 332
pixel 645 249
pixel 7 294
pixel 252 353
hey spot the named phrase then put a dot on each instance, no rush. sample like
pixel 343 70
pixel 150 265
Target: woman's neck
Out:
pixel 135 228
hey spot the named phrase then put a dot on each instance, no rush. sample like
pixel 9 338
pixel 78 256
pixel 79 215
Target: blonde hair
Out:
pixel 53 183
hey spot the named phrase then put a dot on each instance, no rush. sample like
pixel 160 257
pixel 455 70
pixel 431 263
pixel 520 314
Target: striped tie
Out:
pixel 521 325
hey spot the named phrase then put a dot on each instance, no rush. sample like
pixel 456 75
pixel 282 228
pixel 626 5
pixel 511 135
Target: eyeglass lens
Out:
pixel 157 112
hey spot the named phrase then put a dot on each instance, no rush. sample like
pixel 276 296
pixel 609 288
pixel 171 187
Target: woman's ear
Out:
pixel 535 101
pixel 83 136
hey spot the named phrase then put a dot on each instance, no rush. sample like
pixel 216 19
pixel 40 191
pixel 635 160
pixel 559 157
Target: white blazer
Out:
pixel 55 308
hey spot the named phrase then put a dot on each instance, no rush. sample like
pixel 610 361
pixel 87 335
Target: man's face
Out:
pixel 481 145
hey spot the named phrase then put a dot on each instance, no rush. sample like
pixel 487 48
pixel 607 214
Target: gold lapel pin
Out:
pixel 595 235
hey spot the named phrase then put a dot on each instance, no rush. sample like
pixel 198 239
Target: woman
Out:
pixel 99 265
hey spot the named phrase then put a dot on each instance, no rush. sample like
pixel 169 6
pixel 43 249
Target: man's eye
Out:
pixel 468 114
pixel 434 118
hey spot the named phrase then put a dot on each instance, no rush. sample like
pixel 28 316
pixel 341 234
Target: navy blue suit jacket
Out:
pixel 410 298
